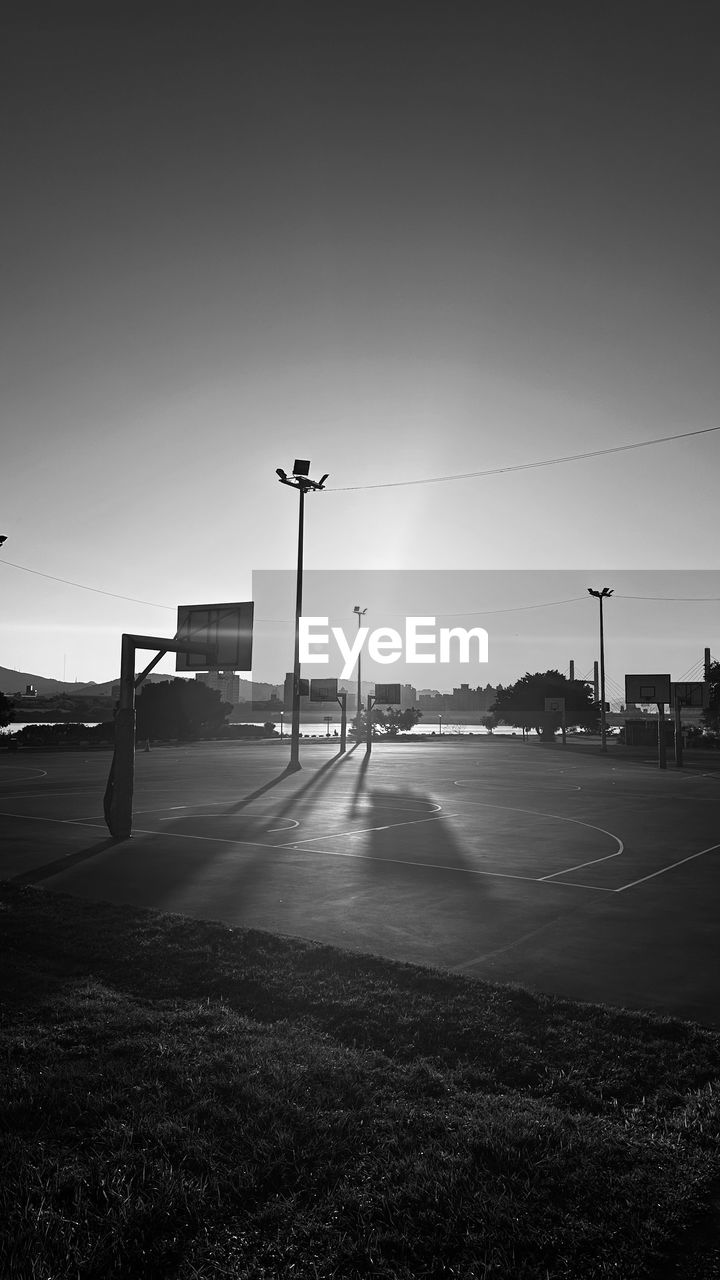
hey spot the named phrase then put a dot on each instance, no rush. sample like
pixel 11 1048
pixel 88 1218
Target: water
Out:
pixel 17 725
pixel 427 728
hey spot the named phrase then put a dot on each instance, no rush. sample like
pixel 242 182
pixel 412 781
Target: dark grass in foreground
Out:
pixel 183 1099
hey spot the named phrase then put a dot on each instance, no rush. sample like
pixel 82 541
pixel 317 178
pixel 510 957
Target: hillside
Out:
pixel 14 682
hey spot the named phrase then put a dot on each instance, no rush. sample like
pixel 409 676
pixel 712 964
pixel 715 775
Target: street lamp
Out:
pixel 360 614
pixel 301 481
pixel 602 595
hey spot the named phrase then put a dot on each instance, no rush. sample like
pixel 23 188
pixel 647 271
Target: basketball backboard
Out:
pixel 228 627
pixel 651 688
pixel 555 704
pixel 389 694
pixel 689 693
pixel 323 690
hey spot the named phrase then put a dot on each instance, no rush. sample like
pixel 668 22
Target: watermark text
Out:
pixel 422 642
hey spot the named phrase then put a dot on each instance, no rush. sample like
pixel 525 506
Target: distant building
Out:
pixel 226 683
pixel 29 696
pixel 467 699
pixel 408 697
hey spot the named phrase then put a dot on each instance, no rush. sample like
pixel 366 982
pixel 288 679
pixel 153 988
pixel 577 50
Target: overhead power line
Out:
pixel 82 587
pixel 546 604
pixel 524 466
pixel 466 613
pixel 673 599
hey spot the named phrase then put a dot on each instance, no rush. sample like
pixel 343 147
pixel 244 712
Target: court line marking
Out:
pixel 360 831
pixel 39 773
pixel 63 822
pixel 54 795
pixel 432 866
pixel 499 951
pixel 527 786
pixel 295 845
pixel 670 867
pixel 283 848
pixel 145 831
pixel 485 804
pixel 416 822
pixel 270 817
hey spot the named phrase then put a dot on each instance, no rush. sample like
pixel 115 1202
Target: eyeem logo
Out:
pixel 386 645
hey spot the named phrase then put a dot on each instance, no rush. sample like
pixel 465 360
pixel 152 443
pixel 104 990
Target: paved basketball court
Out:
pixel 595 877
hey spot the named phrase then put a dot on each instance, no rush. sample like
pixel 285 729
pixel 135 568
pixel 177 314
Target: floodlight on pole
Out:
pixel 301 481
pixel 604 594
pixel 360 614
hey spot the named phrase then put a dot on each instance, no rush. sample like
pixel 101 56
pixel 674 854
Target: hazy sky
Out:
pixel 404 240
pixel 655 621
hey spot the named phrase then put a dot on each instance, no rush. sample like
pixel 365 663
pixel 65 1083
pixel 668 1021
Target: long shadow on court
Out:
pixel 317 780
pixel 418 884
pixel 402 828
pixel 67 860
pixel 64 862
pixel 201 863
pixel 268 786
pixel 360 784
pixel 248 869
pixel 392 879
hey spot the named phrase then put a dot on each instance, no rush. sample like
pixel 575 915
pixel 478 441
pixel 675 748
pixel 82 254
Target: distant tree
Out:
pixel 523 703
pixel 6 710
pixel 395 721
pixel 183 709
pixel 711 714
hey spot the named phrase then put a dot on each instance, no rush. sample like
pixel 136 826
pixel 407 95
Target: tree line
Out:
pixel 188 709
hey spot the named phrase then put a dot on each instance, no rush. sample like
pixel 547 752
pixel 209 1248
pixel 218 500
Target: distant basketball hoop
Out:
pixel 388 694
pixel 654 689
pixel 689 693
pixel 323 690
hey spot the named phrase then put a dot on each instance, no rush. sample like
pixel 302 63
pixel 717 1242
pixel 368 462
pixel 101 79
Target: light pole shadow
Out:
pixel 314 781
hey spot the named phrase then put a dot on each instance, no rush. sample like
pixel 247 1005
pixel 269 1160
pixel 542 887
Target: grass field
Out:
pixel 189 1100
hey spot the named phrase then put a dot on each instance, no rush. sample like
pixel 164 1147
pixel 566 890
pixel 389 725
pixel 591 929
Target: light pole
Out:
pixel 360 615
pixel 282 724
pixel 302 482
pixel 440 723
pixel 602 595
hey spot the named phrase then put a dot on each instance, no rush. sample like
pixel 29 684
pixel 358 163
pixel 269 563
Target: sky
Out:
pixel 405 241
